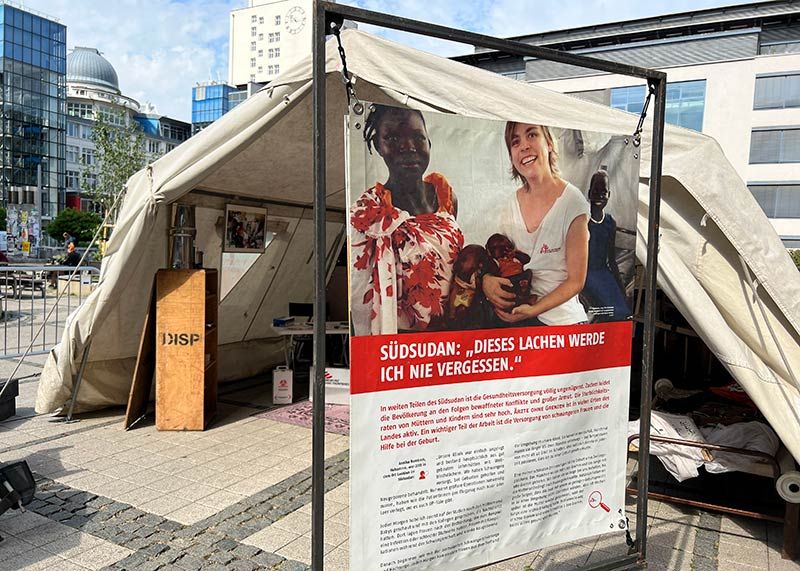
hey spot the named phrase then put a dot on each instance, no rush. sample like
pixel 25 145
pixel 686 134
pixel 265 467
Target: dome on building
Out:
pixel 86 65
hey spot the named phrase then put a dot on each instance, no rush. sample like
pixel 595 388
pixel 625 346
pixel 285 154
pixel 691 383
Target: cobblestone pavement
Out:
pixel 158 542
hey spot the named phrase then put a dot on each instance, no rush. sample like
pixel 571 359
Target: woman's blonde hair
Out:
pixel 551 143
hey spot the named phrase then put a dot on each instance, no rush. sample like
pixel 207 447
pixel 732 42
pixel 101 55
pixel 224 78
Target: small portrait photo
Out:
pixel 245 229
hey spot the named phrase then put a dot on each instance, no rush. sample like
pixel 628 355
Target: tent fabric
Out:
pixel 714 238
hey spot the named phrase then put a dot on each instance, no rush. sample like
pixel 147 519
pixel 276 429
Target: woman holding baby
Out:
pixel 546 218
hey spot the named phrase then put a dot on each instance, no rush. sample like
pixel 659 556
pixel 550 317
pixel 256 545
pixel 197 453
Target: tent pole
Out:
pixel 75 390
pixel 317 382
pixel 659 85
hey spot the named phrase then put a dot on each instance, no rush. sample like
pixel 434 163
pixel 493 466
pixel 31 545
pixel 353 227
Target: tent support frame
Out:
pixel 326 13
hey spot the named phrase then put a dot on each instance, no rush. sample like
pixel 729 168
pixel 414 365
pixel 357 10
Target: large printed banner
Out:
pixel 491 268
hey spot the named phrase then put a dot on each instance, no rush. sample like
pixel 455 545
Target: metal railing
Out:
pixel 29 294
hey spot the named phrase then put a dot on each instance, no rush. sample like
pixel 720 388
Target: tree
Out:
pixel 81 225
pixel 119 153
pixel 2 219
pixel 795 254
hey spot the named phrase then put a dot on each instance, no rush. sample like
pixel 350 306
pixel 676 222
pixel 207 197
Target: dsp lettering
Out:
pixel 182 339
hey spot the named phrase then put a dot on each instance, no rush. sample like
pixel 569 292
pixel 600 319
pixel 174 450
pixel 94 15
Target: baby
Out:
pixel 466 306
pixel 462 310
pixel 510 263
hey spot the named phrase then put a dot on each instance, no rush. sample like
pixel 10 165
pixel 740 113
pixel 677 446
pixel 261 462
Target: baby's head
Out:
pixel 500 246
pixel 471 259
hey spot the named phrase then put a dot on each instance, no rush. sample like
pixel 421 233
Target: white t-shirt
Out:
pixel 547 248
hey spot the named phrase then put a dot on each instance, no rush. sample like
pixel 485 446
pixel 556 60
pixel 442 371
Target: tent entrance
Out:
pixel 719 431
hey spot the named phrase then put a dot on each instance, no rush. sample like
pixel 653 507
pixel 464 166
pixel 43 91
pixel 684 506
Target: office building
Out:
pixel 211 100
pixel 33 130
pixel 733 73
pixel 267 36
pixel 92 92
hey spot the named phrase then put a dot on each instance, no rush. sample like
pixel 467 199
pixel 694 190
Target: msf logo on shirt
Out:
pixel 548 250
pixel 182 339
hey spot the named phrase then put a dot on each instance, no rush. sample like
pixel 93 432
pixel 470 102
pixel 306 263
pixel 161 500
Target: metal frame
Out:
pixel 326 13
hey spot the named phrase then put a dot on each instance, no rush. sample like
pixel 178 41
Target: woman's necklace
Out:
pixel 603 217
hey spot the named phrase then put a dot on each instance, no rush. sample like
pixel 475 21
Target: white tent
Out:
pixel 716 244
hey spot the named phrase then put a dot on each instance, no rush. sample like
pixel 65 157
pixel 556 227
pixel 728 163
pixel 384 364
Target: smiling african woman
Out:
pixel 404 232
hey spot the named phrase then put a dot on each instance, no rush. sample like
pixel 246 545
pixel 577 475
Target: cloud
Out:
pixel 159 48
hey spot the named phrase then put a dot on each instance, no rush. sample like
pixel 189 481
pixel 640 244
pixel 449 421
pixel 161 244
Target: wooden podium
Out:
pixel 186 349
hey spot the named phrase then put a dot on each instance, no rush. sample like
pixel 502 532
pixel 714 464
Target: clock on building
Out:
pixel 295 19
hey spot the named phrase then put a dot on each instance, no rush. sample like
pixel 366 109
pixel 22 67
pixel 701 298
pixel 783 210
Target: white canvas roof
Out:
pixel 715 240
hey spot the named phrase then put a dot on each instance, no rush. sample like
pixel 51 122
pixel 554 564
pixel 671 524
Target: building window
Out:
pixel 82 110
pixel 252 62
pixel 73 179
pixel 252 79
pixel 271 69
pixel 630 99
pixel 277 68
pixel 253 19
pixel 253 32
pixel 261 20
pixel 685 102
pixel 73 152
pixel 260 37
pixel 111 116
pixel 86 132
pixel 260 69
pixel 252 46
pixel 152 147
pixel 174 132
pixel 260 53
pixel 270 53
pixel 775 146
pixel 73 129
pixel 777 92
pixel 277 52
pixel 87 157
pixel 277 36
pixel 778 200
pixel 277 20
pixel 91 180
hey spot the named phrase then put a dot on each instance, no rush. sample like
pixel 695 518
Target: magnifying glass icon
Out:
pixel 596 500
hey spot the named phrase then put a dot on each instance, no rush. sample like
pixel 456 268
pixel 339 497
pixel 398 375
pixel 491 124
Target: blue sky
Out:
pixel 161 48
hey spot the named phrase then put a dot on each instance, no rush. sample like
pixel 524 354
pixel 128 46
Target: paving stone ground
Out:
pixel 237 497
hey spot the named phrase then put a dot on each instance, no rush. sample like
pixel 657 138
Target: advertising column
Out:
pixel 491 269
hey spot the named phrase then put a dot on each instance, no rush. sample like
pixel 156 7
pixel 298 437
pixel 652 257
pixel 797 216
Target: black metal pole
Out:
pixel 654 218
pixel 317 382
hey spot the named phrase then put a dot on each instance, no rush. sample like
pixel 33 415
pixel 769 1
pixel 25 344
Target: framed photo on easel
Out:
pixel 245 229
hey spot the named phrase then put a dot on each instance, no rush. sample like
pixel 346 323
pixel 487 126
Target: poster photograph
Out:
pixel 245 229
pixel 491 270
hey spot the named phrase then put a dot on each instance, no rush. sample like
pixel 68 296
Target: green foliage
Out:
pixel 119 153
pixel 2 219
pixel 81 225
pixel 795 254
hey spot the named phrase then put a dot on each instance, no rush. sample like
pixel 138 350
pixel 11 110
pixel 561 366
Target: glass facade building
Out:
pixel 684 105
pixel 209 103
pixel 33 131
